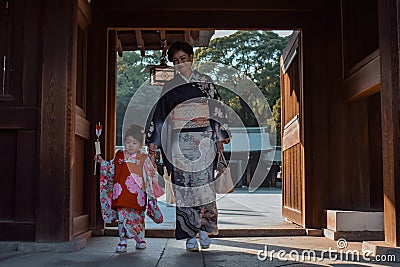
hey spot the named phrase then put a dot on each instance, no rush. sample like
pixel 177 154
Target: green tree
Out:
pixel 276 113
pixel 130 77
pixel 256 55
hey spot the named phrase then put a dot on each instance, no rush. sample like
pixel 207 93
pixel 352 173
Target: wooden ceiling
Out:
pixel 160 39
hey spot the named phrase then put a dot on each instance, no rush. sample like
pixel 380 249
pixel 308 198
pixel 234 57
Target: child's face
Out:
pixel 132 145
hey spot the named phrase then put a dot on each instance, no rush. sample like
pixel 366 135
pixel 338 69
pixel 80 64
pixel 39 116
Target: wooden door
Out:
pixel 80 176
pixel 18 120
pixel 293 191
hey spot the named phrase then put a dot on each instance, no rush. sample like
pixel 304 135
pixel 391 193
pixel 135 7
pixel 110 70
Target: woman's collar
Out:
pixel 184 78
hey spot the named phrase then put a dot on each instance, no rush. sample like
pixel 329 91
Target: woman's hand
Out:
pixel 152 149
pixel 98 158
pixel 220 146
pixel 153 159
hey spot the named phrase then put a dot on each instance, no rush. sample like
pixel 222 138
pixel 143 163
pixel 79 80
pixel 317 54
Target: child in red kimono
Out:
pixel 128 186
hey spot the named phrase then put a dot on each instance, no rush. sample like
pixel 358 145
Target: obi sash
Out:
pixel 190 115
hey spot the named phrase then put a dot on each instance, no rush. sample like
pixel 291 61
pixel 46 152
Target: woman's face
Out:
pixel 182 62
pixel 132 145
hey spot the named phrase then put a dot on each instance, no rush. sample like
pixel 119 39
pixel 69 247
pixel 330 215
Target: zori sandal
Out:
pixel 205 241
pixel 121 248
pixel 191 244
pixel 141 245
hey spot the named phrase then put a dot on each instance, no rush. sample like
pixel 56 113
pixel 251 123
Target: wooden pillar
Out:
pixel 99 110
pixel 101 106
pixel 56 132
pixel 314 133
pixel 111 93
pixel 97 60
pixel 388 15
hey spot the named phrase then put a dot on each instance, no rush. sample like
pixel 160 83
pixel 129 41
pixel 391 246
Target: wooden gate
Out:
pixel 292 147
pixel 81 175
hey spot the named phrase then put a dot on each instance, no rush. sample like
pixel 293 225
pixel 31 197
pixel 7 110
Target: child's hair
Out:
pixel 136 131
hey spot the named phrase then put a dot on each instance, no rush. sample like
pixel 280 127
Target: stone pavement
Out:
pixel 248 223
pixel 239 214
pixel 239 210
pixel 283 251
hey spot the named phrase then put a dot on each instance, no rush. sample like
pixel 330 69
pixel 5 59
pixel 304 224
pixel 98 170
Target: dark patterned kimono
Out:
pixel 188 121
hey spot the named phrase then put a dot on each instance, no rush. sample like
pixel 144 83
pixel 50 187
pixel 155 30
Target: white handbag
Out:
pixel 223 183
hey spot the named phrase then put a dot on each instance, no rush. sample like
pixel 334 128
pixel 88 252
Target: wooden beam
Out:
pixel 290 51
pixel 82 127
pixel 211 5
pixel 84 14
pixel 365 81
pixel 96 112
pixel 119 48
pixel 130 28
pixel 251 20
pixel 110 123
pixel 162 35
pixel 19 118
pixel 163 40
pixel 140 42
pixel 188 37
pixel 388 18
pixel 152 38
pixel 195 35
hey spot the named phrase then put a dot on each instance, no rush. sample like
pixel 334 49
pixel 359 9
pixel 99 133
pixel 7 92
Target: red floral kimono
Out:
pixel 128 186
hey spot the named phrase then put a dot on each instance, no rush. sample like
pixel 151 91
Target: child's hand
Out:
pixel 98 158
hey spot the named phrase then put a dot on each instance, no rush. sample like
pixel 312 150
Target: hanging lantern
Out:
pixel 160 74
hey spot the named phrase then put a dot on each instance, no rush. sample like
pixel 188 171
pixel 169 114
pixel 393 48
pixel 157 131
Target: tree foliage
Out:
pixel 130 77
pixel 276 113
pixel 255 54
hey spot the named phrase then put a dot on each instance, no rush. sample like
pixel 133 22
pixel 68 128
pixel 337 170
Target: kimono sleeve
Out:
pixel 154 133
pixel 153 189
pixel 106 190
pixel 167 101
pixel 219 116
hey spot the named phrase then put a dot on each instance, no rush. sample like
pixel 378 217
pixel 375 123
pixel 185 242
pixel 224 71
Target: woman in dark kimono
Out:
pixel 190 127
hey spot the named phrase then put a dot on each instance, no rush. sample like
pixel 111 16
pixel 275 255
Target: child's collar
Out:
pixel 130 155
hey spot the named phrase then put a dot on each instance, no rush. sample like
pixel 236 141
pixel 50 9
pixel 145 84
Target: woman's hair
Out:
pixel 136 131
pixel 179 46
